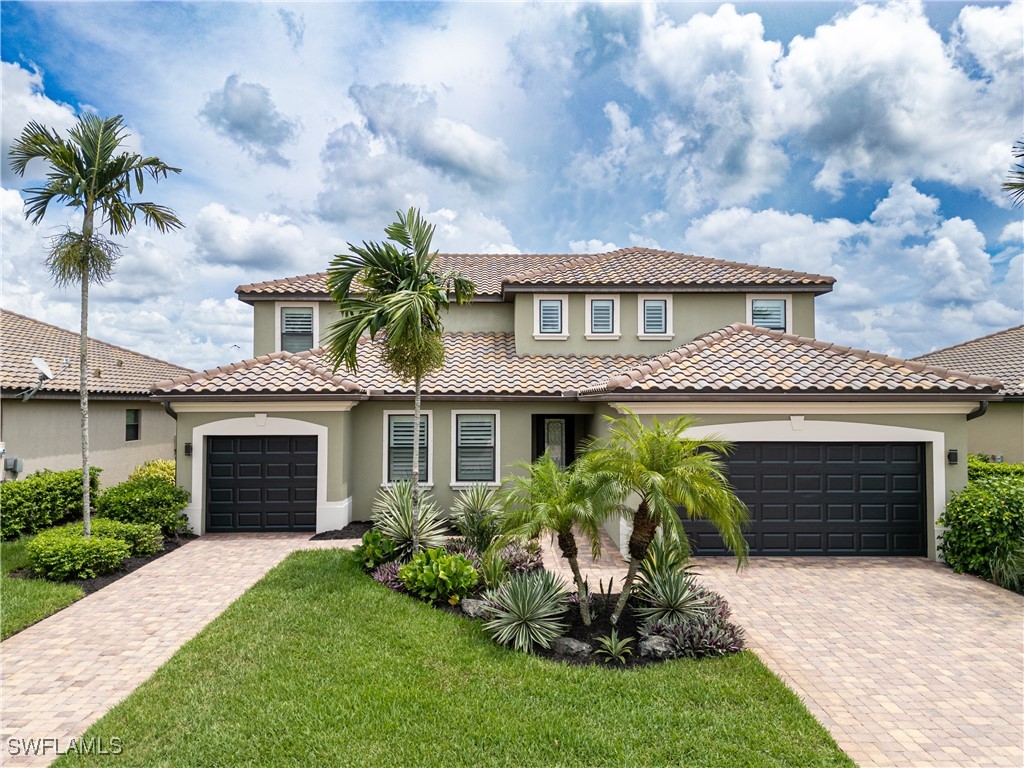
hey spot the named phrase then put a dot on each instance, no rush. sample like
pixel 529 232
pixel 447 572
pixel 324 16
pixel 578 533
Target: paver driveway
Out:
pixel 61 675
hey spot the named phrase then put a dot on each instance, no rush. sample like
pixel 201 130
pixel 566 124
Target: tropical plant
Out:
pixel 670 597
pixel 477 515
pixel 388 574
pixel 89 170
pixel 527 609
pixel 393 515
pixel 614 648
pixel 434 575
pixel 709 634
pixel 667 554
pixel 390 289
pixel 551 498
pixel 522 557
pixel 667 470
pixel 1014 184
pixel 493 568
pixel 1006 565
pixel 374 549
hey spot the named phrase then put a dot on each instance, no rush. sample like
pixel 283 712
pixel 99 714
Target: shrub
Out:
pixel 522 558
pixel 527 609
pixel 388 575
pixel 463 547
pixel 1007 566
pixel 434 575
pixel 477 515
pixel 43 499
pixel 144 538
pixel 670 597
pixel 986 516
pixel 979 466
pixel 59 554
pixel 375 549
pixel 148 499
pixel 392 516
pixel 163 468
pixel 700 636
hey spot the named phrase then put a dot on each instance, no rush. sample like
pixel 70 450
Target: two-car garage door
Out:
pixel 826 499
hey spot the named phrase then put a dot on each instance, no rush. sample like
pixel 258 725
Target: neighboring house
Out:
pixel 126 427
pixel 1000 434
pixel 840 451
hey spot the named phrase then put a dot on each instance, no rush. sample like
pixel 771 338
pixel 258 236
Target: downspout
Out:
pixel 171 412
pixel 981 410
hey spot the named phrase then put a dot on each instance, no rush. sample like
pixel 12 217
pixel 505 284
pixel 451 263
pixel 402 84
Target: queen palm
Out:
pixel 551 499
pixel 668 470
pixel 1014 184
pixel 390 289
pixel 92 171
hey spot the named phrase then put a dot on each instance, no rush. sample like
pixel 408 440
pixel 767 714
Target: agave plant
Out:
pixel 392 513
pixel 671 597
pixel 667 554
pixel 477 515
pixel 527 609
pixel 614 648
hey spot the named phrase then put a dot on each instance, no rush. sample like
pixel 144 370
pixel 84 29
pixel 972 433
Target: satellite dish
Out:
pixel 44 370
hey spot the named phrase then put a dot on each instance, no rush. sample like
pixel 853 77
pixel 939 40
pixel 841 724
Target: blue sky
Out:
pixel 866 141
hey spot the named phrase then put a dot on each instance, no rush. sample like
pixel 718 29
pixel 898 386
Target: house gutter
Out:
pixel 978 412
pixel 170 411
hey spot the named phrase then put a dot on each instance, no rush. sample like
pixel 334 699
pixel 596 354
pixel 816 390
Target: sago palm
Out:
pixel 551 499
pixel 668 470
pixel 89 170
pixel 390 289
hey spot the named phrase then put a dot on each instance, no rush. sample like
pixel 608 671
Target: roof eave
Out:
pixel 514 288
pixel 791 395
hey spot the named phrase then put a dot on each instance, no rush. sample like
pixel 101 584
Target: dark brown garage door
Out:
pixel 826 499
pixel 261 483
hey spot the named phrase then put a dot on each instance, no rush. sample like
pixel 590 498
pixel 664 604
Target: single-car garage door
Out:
pixel 826 499
pixel 261 483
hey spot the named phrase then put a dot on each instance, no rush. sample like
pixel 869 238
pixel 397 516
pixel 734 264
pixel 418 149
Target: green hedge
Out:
pixel 986 516
pixel 62 553
pixel 155 468
pixel 146 499
pixel 43 499
pixel 979 467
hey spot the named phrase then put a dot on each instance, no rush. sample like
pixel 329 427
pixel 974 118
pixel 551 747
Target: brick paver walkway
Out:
pixel 904 662
pixel 61 675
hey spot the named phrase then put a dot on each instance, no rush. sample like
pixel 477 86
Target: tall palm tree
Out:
pixel 1014 184
pixel 667 470
pixel 553 499
pixel 391 289
pixel 89 170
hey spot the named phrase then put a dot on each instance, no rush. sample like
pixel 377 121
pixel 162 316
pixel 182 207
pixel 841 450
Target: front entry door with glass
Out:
pixel 554 434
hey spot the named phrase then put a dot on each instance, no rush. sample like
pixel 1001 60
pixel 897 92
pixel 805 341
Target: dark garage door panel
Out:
pixel 261 483
pixel 826 499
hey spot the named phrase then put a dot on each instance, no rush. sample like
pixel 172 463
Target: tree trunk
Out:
pixel 640 540
pixel 83 377
pixel 416 469
pixel 567 543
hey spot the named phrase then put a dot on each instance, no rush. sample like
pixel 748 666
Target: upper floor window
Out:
pixel 654 316
pixel 398 442
pixel 132 424
pixel 475 447
pixel 772 312
pixel 296 329
pixel 602 316
pixel 550 316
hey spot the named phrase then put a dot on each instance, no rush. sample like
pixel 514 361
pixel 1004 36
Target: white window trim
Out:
pixel 425 482
pixel 787 297
pixel 640 299
pixel 614 297
pixel 279 305
pixel 564 298
pixel 496 483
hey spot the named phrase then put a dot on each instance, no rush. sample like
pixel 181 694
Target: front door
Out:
pixel 556 435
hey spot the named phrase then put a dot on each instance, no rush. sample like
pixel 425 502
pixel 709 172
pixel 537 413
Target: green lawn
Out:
pixel 23 602
pixel 319 665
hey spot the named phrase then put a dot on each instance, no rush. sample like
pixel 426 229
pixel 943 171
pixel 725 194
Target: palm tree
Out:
pixel 667 470
pixel 1014 184
pixel 89 170
pixel 403 300
pixel 552 499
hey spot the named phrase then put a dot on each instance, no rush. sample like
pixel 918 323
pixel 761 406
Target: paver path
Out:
pixel 61 675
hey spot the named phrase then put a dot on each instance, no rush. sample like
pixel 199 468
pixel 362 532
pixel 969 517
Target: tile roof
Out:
pixel 279 373
pixel 493 273
pixel 746 359
pixel 999 354
pixel 113 370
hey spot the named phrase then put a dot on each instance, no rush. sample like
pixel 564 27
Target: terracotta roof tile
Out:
pixel 279 373
pixel 113 369
pixel 999 354
pixel 744 358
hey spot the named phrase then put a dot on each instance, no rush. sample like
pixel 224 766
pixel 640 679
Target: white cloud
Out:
pixel 267 240
pixel 470 232
pixel 23 102
pixel 591 246
pixel 245 114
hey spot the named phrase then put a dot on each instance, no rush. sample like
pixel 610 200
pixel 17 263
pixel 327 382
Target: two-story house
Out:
pixel 839 451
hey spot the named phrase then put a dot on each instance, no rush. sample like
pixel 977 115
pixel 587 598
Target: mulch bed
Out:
pixel 353 530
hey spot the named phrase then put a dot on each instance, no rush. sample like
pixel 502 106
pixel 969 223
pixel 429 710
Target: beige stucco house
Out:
pixel 126 427
pixel 839 450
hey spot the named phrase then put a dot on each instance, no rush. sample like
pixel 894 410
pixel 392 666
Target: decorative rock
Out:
pixel 566 646
pixel 656 647
pixel 476 609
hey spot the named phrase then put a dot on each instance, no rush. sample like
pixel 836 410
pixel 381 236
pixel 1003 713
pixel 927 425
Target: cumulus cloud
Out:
pixel 294 25
pixel 267 241
pixel 245 114
pixel 591 246
pixel 23 102
pixel 470 232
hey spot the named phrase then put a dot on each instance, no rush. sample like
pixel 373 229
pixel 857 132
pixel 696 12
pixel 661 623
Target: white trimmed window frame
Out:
pixel 279 305
pixel 640 330
pixel 787 297
pixel 590 299
pixel 425 482
pixel 564 299
pixel 496 482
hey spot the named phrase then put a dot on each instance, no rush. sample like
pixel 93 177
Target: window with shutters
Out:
pixel 475 447
pixel 773 312
pixel 654 317
pixel 297 326
pixel 602 317
pixel 398 436
pixel 551 320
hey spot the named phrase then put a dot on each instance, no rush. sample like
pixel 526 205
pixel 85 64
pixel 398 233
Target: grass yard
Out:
pixel 319 665
pixel 23 602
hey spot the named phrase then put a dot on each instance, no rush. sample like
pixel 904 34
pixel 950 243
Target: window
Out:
pixel 475 446
pixel 654 317
pixel 296 329
pixel 773 312
pixel 602 316
pixel 550 319
pixel 398 462
pixel 132 424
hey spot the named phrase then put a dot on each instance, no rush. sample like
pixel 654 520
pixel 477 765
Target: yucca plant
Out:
pixel 493 568
pixel 614 648
pixel 477 515
pixel 671 597
pixel 392 513
pixel 667 554
pixel 527 609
